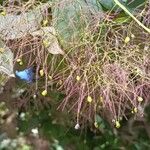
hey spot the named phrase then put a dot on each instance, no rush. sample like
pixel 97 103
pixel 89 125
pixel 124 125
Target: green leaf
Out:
pixel 70 18
pixel 94 5
pixel 133 5
pixel 123 19
pixel 108 4
pixel 98 119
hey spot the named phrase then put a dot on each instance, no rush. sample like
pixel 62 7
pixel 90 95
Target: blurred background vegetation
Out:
pixel 32 121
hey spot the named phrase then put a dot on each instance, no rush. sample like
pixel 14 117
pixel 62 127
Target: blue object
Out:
pixel 26 75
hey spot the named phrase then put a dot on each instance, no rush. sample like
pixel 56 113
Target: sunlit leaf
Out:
pixel 50 41
pixel 16 26
pixel 71 17
pixel 6 60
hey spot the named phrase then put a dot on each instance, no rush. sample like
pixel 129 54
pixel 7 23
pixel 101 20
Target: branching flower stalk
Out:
pixel 104 72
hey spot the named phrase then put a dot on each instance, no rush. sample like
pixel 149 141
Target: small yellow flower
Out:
pixel 2 50
pixel 44 93
pixel 46 43
pixel 3 13
pixel 101 99
pixel 41 72
pixel 20 61
pixel 117 124
pixel 45 22
pixel 78 78
pixel 127 39
pixel 96 124
pixel 140 99
pixel 89 99
pixel 135 110
pixel 50 77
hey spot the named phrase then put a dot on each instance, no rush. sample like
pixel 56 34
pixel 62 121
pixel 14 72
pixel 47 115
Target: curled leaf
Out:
pixel 50 41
